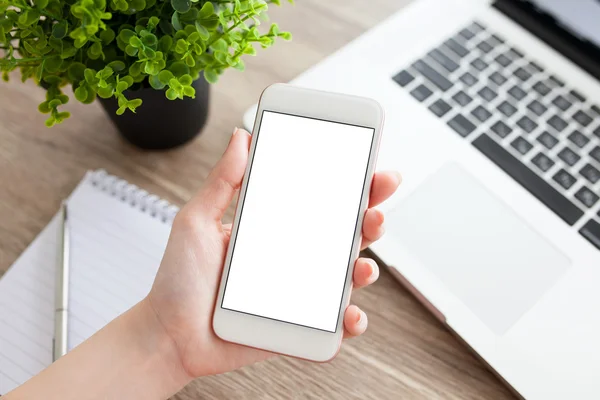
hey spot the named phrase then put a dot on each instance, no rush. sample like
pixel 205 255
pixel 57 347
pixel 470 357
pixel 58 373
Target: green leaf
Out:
pixel 135 42
pixel 60 30
pixel 285 35
pixel 181 6
pixel 220 44
pixel 52 80
pixel 171 94
pixel 211 76
pixel 165 43
pixel 189 16
pixel 175 21
pixel 44 108
pixel 240 65
pixel 189 91
pixel 53 64
pixel 179 69
pixel 75 72
pixel 202 31
pixel 165 76
pixel 121 110
pixel 41 4
pixel 207 10
pixel 134 103
pixel 135 69
pixel 131 51
pixel 166 27
pixel 155 82
pixel 150 41
pixel 105 92
pixel 117 66
pixel 90 76
pixel 81 93
pixel 126 35
pixel 107 36
pixel 148 53
pixel 185 80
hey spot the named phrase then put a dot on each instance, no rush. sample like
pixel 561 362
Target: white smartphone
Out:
pixel 297 229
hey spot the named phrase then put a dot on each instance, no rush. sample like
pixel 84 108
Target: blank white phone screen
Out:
pixel 298 218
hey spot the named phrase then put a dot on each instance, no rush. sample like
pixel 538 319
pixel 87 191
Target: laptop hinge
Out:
pixel 544 26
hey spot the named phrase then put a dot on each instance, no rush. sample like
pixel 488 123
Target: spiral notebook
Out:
pixel 118 235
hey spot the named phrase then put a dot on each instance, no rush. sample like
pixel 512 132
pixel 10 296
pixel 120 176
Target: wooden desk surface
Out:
pixel 405 353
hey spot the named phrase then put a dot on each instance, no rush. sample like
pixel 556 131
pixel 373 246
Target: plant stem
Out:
pixel 226 31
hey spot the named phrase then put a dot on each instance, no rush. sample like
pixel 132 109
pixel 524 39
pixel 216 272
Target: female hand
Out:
pixel 187 282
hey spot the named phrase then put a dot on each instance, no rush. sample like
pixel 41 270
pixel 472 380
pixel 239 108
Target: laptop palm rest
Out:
pixel 486 255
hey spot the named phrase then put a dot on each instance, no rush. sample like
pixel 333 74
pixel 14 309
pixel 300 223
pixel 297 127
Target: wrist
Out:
pixel 160 351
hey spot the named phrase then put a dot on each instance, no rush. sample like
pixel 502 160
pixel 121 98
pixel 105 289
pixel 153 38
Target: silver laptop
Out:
pixel 493 117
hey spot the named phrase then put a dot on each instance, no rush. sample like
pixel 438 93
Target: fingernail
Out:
pixel 374 272
pixel 399 177
pixel 381 217
pixel 235 131
pixel 361 322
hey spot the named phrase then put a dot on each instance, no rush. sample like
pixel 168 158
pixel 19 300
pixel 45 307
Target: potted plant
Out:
pixel 148 61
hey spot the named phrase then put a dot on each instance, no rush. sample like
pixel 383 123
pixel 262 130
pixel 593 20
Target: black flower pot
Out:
pixel 160 123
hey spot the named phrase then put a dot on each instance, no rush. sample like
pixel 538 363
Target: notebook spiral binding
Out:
pixel 133 195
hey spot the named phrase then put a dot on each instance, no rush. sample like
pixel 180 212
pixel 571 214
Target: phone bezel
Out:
pixel 277 336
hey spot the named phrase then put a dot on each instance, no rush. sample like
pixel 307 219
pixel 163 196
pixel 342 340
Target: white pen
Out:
pixel 61 299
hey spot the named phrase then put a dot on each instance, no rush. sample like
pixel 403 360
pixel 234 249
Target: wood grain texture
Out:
pixel 406 353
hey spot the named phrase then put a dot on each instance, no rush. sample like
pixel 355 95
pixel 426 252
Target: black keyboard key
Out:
pixel 521 145
pixel 542 162
pixel 461 125
pixel 501 129
pixel 596 132
pixel 590 173
pixel 539 188
pixel 467 34
pixel 487 94
pixel 462 98
pixel 582 118
pixel 517 53
pixel 476 27
pixel 421 92
pixel 485 46
pixel 541 88
pixel 591 231
pixel 537 107
pixel 562 103
pixel 595 109
pixel 443 60
pixel 432 75
pixel 595 153
pixel 517 92
pixel 479 64
pixel 468 79
pixel 564 179
pixel 526 124
pixel 568 156
pixel 497 39
pixel 439 108
pixel 403 78
pixel 579 139
pixel 586 196
pixel 481 113
pixel 556 82
pixel 503 60
pixel 506 108
pixel 522 74
pixel 497 78
pixel 535 67
pixel 557 123
pixel 577 95
pixel 456 47
pixel 548 140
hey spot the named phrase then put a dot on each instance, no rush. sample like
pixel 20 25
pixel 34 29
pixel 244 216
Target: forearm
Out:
pixel 131 358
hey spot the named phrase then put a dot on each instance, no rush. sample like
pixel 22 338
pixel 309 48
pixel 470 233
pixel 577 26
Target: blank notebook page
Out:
pixel 118 234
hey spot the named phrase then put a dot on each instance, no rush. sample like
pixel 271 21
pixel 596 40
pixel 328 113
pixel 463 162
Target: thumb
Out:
pixel 224 179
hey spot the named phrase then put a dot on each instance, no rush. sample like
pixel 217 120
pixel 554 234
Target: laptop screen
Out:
pixel 571 27
pixel 580 17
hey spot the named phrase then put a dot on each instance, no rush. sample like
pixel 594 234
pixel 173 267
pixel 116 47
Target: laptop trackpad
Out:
pixel 477 246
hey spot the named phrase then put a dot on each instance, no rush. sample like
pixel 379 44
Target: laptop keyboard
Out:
pixel 542 133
